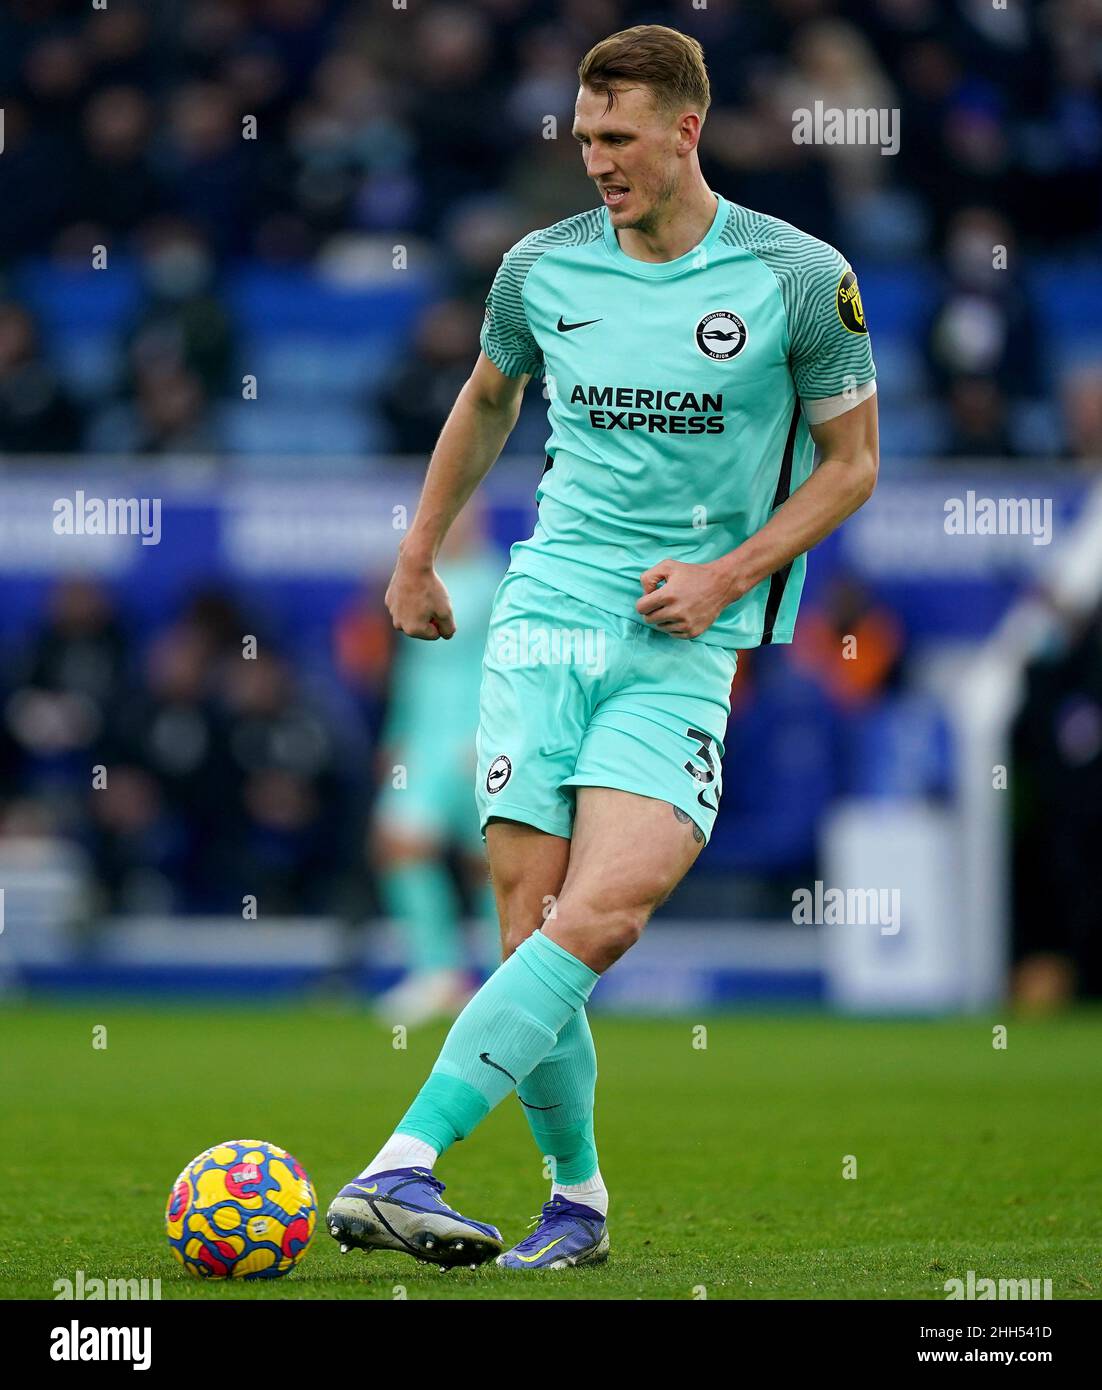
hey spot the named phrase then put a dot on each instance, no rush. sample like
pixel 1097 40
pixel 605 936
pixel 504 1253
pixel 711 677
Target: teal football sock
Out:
pixel 421 900
pixel 558 1103
pixel 506 1030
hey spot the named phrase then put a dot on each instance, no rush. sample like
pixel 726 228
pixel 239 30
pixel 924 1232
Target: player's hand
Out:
pixel 682 599
pixel 418 603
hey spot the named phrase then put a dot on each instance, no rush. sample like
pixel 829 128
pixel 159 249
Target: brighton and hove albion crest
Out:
pixel 721 335
pixel 501 769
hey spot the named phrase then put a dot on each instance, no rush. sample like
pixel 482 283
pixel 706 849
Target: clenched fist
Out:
pixel 417 601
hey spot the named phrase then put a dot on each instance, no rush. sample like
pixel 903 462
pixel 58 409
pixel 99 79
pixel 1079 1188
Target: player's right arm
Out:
pixel 473 436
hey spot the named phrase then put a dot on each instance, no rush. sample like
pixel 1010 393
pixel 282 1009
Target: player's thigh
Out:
pixel 527 869
pixel 628 854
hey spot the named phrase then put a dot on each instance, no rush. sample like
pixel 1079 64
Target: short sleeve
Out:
pixel 830 352
pixel 506 337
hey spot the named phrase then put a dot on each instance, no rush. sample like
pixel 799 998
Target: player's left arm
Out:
pixel 691 597
pixel 832 369
pixel 843 481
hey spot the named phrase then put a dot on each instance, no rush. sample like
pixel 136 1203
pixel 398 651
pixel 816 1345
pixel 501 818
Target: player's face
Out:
pixel 630 153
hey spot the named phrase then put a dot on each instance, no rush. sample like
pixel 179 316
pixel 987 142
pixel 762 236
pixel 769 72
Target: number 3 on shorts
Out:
pixel 708 776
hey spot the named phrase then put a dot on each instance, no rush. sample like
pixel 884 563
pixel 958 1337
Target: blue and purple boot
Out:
pixel 403 1210
pixel 567 1234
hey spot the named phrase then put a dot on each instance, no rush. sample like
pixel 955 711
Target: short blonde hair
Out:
pixel 669 63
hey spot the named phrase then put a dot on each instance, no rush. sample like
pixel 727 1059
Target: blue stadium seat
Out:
pixel 67 301
pixel 898 748
pixel 911 430
pixel 290 366
pixel 261 427
pixel 781 771
pixel 900 367
pixel 1071 300
pixel 899 299
pixel 1037 427
pixel 285 301
pixel 88 362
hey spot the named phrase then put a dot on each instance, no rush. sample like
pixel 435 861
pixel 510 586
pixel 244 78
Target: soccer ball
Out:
pixel 241 1210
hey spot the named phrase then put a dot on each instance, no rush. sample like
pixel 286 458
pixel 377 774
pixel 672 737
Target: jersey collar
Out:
pixel 658 270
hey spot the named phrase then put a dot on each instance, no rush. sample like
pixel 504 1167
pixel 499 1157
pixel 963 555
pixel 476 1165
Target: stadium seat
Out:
pixel 255 427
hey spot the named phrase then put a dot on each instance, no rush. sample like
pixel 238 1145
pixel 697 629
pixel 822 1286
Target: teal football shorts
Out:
pixel 573 696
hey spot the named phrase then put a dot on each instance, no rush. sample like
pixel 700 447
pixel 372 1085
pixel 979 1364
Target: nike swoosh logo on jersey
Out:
pixel 569 327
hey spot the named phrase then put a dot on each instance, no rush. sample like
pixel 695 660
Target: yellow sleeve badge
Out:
pixel 848 301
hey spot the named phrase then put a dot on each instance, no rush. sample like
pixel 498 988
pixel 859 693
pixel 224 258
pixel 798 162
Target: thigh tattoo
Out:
pixel 681 815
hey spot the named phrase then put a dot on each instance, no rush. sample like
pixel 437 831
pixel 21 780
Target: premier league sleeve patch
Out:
pixel 850 309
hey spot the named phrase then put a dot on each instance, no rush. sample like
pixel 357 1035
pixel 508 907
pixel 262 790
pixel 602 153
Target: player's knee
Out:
pixel 621 930
pixel 615 929
pixel 513 936
pixel 523 915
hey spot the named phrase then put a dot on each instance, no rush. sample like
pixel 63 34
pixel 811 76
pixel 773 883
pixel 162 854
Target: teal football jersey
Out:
pixel 679 395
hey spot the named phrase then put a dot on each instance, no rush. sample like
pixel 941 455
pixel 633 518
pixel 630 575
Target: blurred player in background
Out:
pixel 695 353
pixel 427 762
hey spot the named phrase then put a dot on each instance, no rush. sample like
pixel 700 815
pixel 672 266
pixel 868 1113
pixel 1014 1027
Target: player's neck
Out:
pixel 685 227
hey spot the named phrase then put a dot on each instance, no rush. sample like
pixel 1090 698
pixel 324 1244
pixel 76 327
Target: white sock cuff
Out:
pixel 402 1151
pixel 591 1193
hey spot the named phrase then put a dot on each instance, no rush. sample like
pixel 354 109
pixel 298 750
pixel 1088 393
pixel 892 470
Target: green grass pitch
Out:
pixel 725 1162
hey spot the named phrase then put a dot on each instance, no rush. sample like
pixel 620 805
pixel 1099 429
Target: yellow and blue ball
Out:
pixel 241 1210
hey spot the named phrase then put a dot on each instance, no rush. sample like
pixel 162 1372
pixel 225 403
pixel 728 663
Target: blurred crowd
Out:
pixel 192 768
pixel 207 756
pixel 428 126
